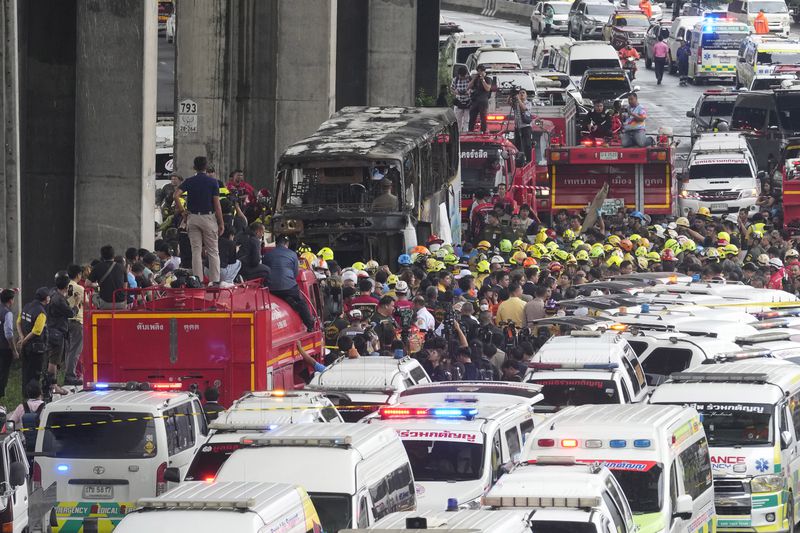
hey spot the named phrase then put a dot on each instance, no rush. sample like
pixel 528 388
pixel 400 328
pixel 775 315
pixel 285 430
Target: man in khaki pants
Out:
pixel 204 219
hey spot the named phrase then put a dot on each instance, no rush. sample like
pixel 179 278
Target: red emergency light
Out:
pixel 495 118
pixel 167 386
pixel 657 155
pixel 560 156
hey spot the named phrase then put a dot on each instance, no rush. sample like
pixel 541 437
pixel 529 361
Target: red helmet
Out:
pixel 434 239
pixel 668 255
pixel 551 233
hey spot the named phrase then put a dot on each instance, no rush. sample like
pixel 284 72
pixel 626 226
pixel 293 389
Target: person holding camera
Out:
pixel 481 87
pixel 523 138
pixel 633 129
pixel 459 88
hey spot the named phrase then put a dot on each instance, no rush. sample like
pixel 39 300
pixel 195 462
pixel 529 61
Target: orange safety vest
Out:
pixel 646 8
pixel 760 24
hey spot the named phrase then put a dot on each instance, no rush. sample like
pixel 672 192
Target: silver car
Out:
pixel 557 11
pixel 587 18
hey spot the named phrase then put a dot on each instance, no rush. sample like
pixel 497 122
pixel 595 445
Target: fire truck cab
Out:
pixel 234 339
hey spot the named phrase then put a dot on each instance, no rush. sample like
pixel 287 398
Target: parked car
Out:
pixel 626 27
pixel 651 38
pixel 588 17
pixel 560 15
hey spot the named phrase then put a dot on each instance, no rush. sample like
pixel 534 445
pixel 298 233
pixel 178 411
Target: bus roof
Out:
pixel 380 133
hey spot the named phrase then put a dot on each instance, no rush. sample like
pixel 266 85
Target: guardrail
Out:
pixel 504 9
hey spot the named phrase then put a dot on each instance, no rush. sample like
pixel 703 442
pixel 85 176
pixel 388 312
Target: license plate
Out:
pixel 725 60
pixel 98 492
pixel 719 207
pixel 609 156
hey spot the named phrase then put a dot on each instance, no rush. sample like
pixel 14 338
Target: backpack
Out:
pixel 30 421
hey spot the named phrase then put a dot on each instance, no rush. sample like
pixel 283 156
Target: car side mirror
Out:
pixel 786 439
pixel 172 474
pixel 690 113
pixel 17 474
pixel 636 88
pixel 762 175
pixel 683 507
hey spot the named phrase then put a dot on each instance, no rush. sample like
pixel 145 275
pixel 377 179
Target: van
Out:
pixel 458 521
pixel 584 350
pixel 680 31
pixel 657 453
pixel 575 58
pixel 244 507
pixel 355 474
pixel 458 442
pixel 714 46
pixel 721 175
pixel 460 46
pixel 761 55
pixel 751 413
pixel 540 53
pixel 493 58
pixel 110 445
pixel 776 11
pixel 363 383
pixel 14 477
pixel 257 411
pixel 562 484
pixel 579 384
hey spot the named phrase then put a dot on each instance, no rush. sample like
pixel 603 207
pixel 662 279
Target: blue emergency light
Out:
pixel 617 443
pixel 101 385
pixel 641 443
pixel 448 412
pixel 62 468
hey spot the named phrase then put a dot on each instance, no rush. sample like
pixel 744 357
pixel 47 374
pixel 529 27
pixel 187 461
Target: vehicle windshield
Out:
pixel 548 526
pixel 789 111
pixel 723 41
pixel 609 84
pixel 334 510
pixel 760 84
pixel 599 10
pixel 209 459
pixel 716 109
pixel 778 57
pixel 561 8
pixel 768 7
pixel 632 22
pixel 481 168
pixel 736 424
pixel 464 52
pixel 644 490
pixel 498 58
pixel 92 435
pixel 578 66
pixel 564 392
pixel 748 118
pixel 347 187
pixel 441 460
pixel 719 171
pixel 792 152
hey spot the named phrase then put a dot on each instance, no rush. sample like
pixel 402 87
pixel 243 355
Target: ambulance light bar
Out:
pixel 771 323
pixel 541 502
pixel 327 442
pixel 764 336
pixel 468 413
pixel 132 386
pixel 573 366
pixel 161 503
pixel 713 377
pixel 739 356
pixel 594 443
pixel 228 426
pixel 778 314
pixel 585 333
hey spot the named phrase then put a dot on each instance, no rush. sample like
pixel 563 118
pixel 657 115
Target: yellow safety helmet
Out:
pixel 519 244
pixel 682 221
pixel 541 236
pixel 731 249
pixel 654 257
pixel 308 258
pixel 642 262
pixel 608 247
pixel 614 260
pixel 613 240
pixel 483 266
pixel 641 251
pixel 757 230
pixel 450 259
pixel 582 255
pixel 551 246
pixel 704 211
pixel 577 243
pixel 644 242
pixel 325 253
pixel 689 245
pixel 627 257
pixel 561 255
pixel 371 265
pixel 635 237
pixel 571 260
pixel 505 246
pixel 542 248
pixel 724 236
pixel 483 245
pixel 569 235
pixel 392 279
pixel 358 265
pixel 597 252
pixel 518 258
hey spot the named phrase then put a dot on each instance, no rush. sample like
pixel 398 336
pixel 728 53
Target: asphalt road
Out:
pixel 165 98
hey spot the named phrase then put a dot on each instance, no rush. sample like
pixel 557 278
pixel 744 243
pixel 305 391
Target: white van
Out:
pixel 761 54
pixel 562 483
pixel 361 384
pixel 776 11
pixel 244 507
pixel 574 58
pixel 354 473
pixel 721 175
pixel 458 442
pixel 257 411
pixel 680 31
pixel 714 46
pixel 461 521
pixel 105 448
pixel 540 53
pixel 460 46
pixel 14 477
pixel 584 351
pixel 751 413
pixel 657 453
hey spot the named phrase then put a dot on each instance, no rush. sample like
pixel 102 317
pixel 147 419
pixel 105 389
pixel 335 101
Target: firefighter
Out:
pixel 761 24
pixel 647 8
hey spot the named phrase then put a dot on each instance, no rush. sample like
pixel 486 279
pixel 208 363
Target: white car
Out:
pixel 560 15
pixel 494 58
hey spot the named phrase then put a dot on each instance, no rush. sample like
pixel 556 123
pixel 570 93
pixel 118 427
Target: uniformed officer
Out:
pixel 33 336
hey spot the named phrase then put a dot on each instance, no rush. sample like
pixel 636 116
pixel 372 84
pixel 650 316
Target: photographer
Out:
pixel 459 88
pixel 599 121
pixel 481 87
pixel 523 135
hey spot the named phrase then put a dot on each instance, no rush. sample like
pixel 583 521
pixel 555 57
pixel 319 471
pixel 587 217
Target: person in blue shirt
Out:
pixel 284 268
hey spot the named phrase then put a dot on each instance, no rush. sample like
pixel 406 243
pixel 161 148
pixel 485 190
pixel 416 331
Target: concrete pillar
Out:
pixel 115 117
pixel 262 77
pixel 10 235
pixel 47 46
pixel 427 56
pixel 392 52
pixel 352 37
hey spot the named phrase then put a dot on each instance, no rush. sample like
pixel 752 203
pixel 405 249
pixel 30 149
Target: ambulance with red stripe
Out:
pixel 458 435
pixel 659 455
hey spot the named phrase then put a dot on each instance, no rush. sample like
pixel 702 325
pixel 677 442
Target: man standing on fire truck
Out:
pixel 284 268
pixel 633 133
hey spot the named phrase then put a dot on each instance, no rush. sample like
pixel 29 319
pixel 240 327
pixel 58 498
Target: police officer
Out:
pixel 33 336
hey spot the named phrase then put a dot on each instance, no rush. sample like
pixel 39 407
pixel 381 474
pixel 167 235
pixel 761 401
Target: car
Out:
pixel 776 11
pixel 656 12
pixel 626 27
pixel 605 84
pixel 711 107
pixel 574 59
pixel 560 15
pixel 458 47
pixel 14 477
pixel 765 82
pixel 681 26
pixel 587 18
pixel 494 58
pixel 651 38
pixel 448 27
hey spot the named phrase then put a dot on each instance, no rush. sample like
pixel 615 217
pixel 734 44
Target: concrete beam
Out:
pixel 115 117
pixel 10 199
pixel 391 59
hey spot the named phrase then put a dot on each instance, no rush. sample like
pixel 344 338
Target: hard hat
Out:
pixel 614 260
pixel 555 266
pixel 497 260
pixel 483 266
pixel 723 237
pixel 712 253
pixel 654 256
pixel 757 230
pixel 635 237
pixel 308 258
pixel 582 255
pixel 541 236
pixel 627 257
pixel 319 264
pixel 763 260
pixel 561 255
pixel 371 265
pixel 483 245
pixel 529 262
pixel 519 244
pixel 613 240
pixel 449 248
pixel 571 260
pixel 420 250
pixel 644 242
pixel 326 253
pixel 608 247
pixel 569 235
pixel 704 212
pixel 518 258
pixel 440 253
pixel 626 245
pixel 642 262
pixel 435 239
pixel 671 244
pixel 450 259
pixel 404 259
pixel 392 279
pixel 683 222
pixel 597 252
pixel 791 253
pixel 577 243
pixel 551 246
pixel 355 314
pixel 731 249
pixel 505 246
pixel 775 263
pixel 668 255
pixel 641 251
pixel 438 266
pixel 542 248
pixel 435 247
pixel 303 248
pixel 430 264
pixel 688 246
pixel 401 287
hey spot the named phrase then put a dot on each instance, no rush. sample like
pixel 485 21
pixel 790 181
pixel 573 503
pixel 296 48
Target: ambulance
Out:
pixel 751 414
pixel 762 54
pixel 659 455
pixel 458 441
pixel 714 44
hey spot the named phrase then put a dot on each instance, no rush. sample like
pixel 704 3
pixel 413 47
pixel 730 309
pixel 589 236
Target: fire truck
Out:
pixel 640 178
pixel 791 185
pixel 235 339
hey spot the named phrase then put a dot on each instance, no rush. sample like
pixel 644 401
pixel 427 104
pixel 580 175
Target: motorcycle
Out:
pixel 629 66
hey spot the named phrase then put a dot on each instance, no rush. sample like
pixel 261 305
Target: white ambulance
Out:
pixel 751 414
pixel 658 454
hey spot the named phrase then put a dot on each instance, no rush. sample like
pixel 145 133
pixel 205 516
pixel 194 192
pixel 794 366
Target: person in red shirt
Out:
pixel 646 7
pixel 236 183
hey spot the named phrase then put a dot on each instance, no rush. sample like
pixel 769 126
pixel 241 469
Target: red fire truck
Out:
pixel 236 339
pixel 791 184
pixel 642 178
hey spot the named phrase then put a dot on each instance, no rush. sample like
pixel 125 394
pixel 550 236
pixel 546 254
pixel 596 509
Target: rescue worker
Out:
pixel 628 56
pixel 683 62
pixel 647 8
pixel 283 271
pixel 31 327
pixel 599 121
pixel 761 24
